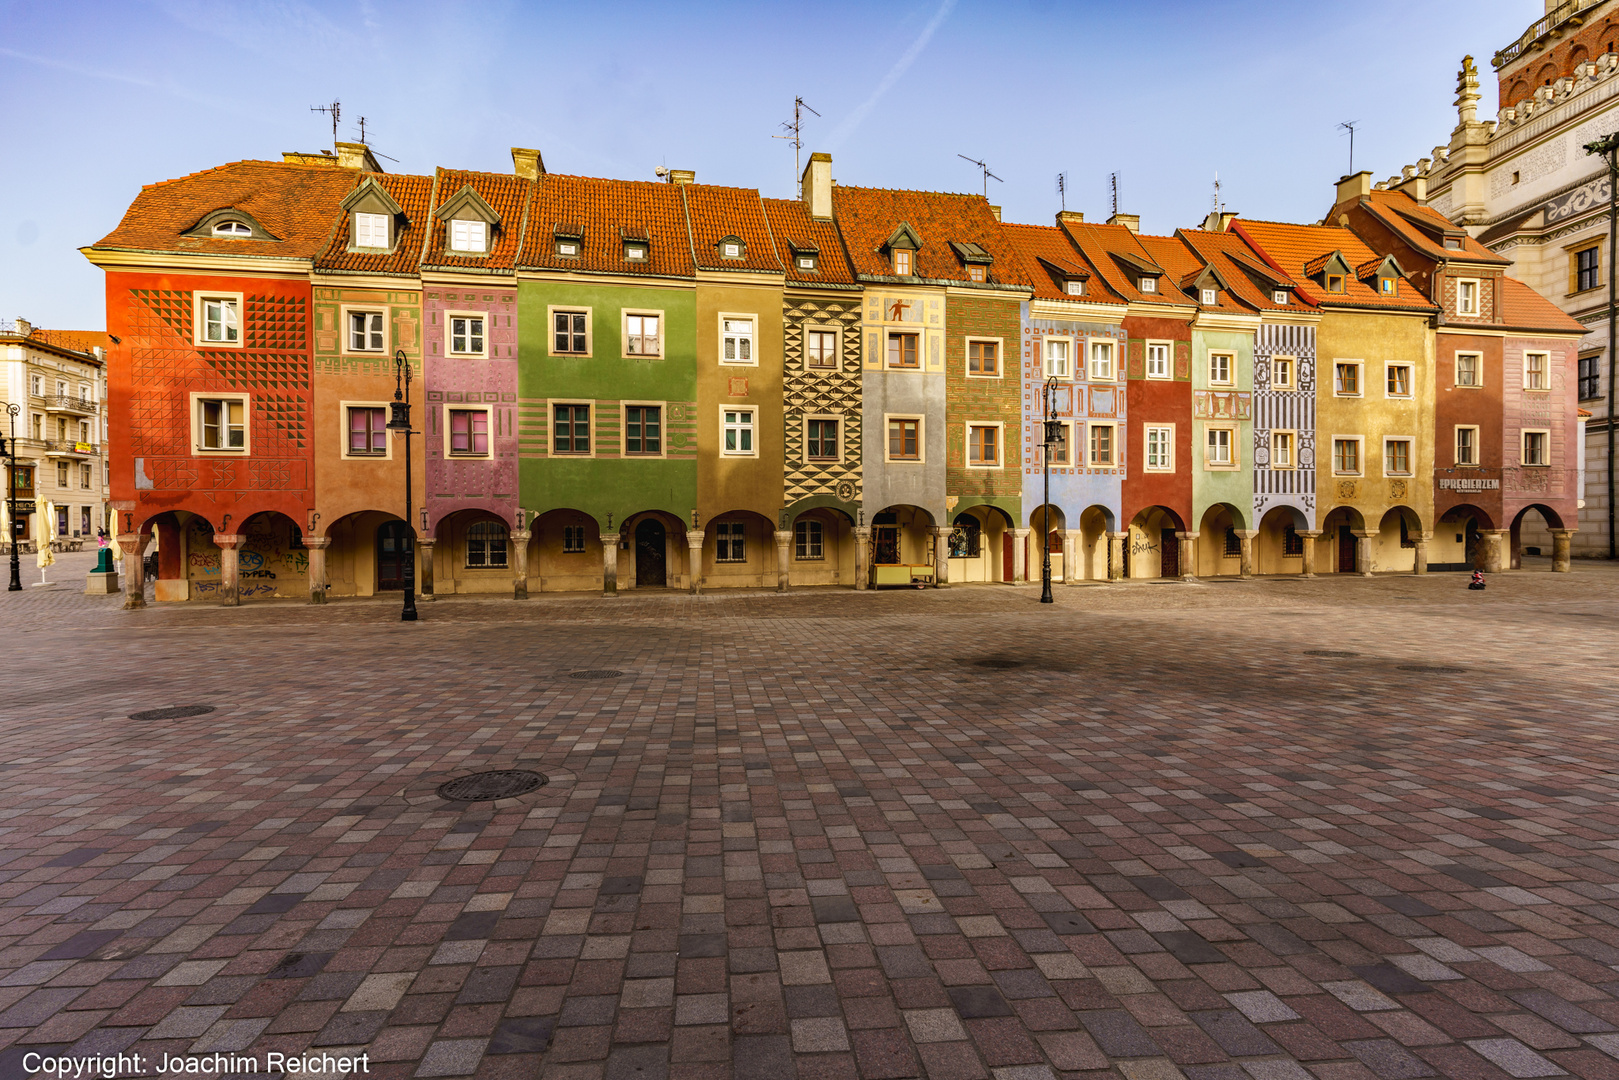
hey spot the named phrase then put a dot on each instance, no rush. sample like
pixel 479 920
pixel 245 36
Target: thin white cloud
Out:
pixel 85 72
pixel 854 119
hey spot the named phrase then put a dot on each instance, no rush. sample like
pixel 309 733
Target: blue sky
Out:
pixel 100 98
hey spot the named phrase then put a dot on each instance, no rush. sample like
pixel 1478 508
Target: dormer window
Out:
pixel 975 273
pixel 232 228
pixel 1335 283
pixel 468 235
pixel 1279 296
pixel 732 247
pixel 1454 243
pixel 568 249
pixel 1076 287
pixel 371 230
pixel 902 262
pixel 1148 284
pixel 1387 286
pixel 1207 296
pixel 635 252
pixel 806 262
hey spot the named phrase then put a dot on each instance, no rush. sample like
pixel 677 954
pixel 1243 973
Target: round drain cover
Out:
pixel 490 786
pixel 999 663
pixel 595 673
pixel 173 713
pixel 1335 653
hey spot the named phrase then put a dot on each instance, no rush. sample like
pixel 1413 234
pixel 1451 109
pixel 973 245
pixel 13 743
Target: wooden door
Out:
pixel 391 548
pixel 1008 562
pixel 1346 549
pixel 651 554
pixel 1169 554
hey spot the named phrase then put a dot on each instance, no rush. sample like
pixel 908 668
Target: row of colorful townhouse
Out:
pixel 621 384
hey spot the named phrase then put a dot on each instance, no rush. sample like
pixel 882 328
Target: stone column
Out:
pixel 784 540
pixel 424 566
pixel 1020 556
pixel 519 562
pixel 1186 542
pixel 1115 555
pixel 317 546
pixel 1071 573
pixel 609 564
pixel 1419 564
pixel 862 556
pixel 694 545
pixel 1245 563
pixel 134 548
pixel 229 575
pixel 1494 543
pixel 941 556
pixel 1562 540
pixel 1363 552
pixel 1309 538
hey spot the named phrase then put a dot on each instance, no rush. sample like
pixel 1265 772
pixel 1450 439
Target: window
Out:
pixel 1346 457
pixel 635 252
pixel 467 235
pixel 61 474
pixel 736 337
pixel 1469 369
pixel 1102 445
pixel 1057 358
pixel 570 429
pixel 469 432
pixel 371 230
pixel 84 477
pixel 570 332
pixel 219 319
pixel 1102 360
pixel 486 546
pixel 568 249
pixel 1207 296
pixel 1534 448
pixel 232 228
pixel 821 348
pixel 1335 283
pixel 1076 288
pixel 1281 449
pixel 731 249
pixel 1281 372
pixel 1587 269
pixel 1148 284
pixel 983 445
pixel 643 429
pixel 966 537
pixel 975 273
pixel 1535 366
pixel 61 388
pixel 1346 379
pixel 1157 359
pixel 221 423
pixel 466 335
pixel 1160 440
pixel 84 392
pixel 730 542
pixel 1292 542
pixel 807 541
pixel 1397 381
pixel 1059 449
pixel 1279 296
pixel 1467 297
pixel 1220 365
pixel 1233 542
pixel 1466 445
pixel 821 440
pixel 904 442
pixel 806 262
pixel 739 432
pixel 984 358
pixel 365 332
pixel 902 350
pixel 1386 286
pixel 1590 378
pixel 573 539
pixel 641 335
pixel 368 432
pixel 902 261
pixel 1220 448
pixel 1396 457
pixel 36 385
pixel 84 431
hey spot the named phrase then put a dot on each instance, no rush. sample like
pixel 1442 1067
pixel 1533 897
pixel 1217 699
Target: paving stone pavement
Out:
pixel 1261 830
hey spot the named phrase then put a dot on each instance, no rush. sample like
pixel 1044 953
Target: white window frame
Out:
pixel 469 236
pixel 1169 359
pixel 1456 446
pixel 1067 343
pixel 1292 437
pixel 1410 380
pixel 1230 358
pixel 1147 285
pixel 1167 466
pixel 1292 380
pixel 1212 465
pixel 1000 443
pixel 551 313
pixel 1545 371
pixel 1478 370
pixel 348 312
pixel 1102 359
pixel 449 334
pixel 1410 455
pixel 343 408
pixel 624 450
pixel 1206 297
pixel 637 251
pixel 201 299
pixel 751 426
pixel 489 411
pixel 1075 287
pixel 909 256
pixel 36 385
pixel 749 338
pixel 966 357
pixel 1478 297
pixel 1278 296
pixel 365 226
pixel 1360 454
pixel 836 330
pixel 921 438
pixel 1523 448
pixel 1116 451
pixel 843 434
pixel 197 398
pixel 624 316
pixel 1360 378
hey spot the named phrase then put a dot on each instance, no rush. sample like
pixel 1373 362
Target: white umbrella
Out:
pixel 45 556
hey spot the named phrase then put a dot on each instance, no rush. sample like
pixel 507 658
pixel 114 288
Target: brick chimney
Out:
pixel 1129 221
pixel 1354 186
pixel 816 187
pixel 527 163
pixel 1074 217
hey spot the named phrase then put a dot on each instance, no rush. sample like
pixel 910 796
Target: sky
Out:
pixel 101 98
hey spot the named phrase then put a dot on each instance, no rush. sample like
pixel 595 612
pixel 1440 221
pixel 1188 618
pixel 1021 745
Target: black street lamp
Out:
pixel 399 424
pixel 10 450
pixel 1052 437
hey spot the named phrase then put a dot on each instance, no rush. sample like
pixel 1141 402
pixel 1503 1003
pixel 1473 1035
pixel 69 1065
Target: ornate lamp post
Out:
pixel 10 450
pixel 399 424
pixel 1052 437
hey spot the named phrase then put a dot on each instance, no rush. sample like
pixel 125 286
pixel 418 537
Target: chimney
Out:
pixel 682 177
pixel 527 163
pixel 1218 221
pixel 1353 187
pixel 356 155
pixel 1415 186
pixel 24 327
pixel 1129 221
pixel 1071 217
pixel 995 210
pixel 299 157
pixel 815 187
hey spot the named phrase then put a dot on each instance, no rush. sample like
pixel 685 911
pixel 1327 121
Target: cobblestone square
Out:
pixel 1272 829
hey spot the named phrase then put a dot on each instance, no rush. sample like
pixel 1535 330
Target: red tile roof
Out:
pixel 1239 267
pixel 1047 246
pixel 604 211
pixel 506 194
pixel 714 213
pixel 1405 217
pixel 1522 308
pixel 1185 265
pixel 793 228
pixel 1291 248
pixel 868 218
pixel 1116 253
pixel 77 340
pixel 414 194
pixel 294 203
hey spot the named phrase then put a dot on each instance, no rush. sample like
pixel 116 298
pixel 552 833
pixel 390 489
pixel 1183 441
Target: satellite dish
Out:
pixel 660 171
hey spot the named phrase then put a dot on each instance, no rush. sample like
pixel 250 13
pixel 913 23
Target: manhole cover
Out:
pixel 1432 669
pixel 1333 653
pixel 173 713
pixel 1001 664
pixel 492 785
pixel 595 673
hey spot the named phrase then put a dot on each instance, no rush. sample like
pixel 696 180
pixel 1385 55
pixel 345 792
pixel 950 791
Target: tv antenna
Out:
pixel 373 149
pixel 1349 126
pixel 335 108
pixel 362 129
pixel 1113 182
pixel 1062 189
pixel 795 129
pixel 988 176
pixel 1216 200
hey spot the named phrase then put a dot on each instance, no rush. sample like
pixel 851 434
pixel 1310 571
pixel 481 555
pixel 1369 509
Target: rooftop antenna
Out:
pixel 1062 189
pixel 794 129
pixel 988 176
pixel 1349 126
pixel 334 109
pixel 1217 206
pixel 373 149
pixel 362 129
pixel 1113 180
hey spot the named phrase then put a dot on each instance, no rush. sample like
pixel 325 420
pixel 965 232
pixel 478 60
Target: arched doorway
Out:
pixel 1340 531
pixel 902 546
pixel 1279 549
pixel 1458 539
pixel 1153 547
pixel 394 545
pixel 1094 551
pixel 1047 526
pixel 1531 534
pixel 1218 549
pixel 978 535
pixel 1397 536
pixel 651 554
